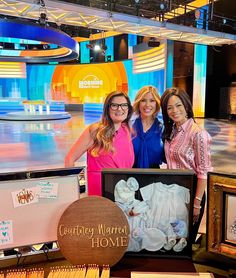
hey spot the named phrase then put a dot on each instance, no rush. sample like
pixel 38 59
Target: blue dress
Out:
pixel 148 146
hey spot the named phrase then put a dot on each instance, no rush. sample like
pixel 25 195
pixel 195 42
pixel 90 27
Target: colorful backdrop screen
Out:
pixel 78 84
pixel 89 82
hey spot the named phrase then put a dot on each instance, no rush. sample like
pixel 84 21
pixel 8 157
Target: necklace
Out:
pixel 147 125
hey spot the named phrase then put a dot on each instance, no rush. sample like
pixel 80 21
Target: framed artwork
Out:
pixel 221 214
pixel 158 205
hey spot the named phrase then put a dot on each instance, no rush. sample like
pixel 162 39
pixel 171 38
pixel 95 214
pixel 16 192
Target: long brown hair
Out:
pixel 103 131
pixel 141 93
pixel 184 97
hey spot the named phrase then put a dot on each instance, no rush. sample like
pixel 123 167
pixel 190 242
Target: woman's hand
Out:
pixel 196 209
pixel 196 213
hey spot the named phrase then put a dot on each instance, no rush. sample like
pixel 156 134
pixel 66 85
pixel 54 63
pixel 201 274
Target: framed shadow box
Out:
pixel 158 205
pixel 221 214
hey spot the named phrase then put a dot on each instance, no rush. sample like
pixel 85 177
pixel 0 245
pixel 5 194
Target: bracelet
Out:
pixel 197 198
pixel 197 207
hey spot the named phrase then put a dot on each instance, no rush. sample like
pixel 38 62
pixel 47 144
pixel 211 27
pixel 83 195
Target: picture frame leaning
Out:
pixel 158 204
pixel 221 214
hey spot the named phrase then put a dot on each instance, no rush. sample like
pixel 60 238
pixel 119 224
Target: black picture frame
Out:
pixel 221 215
pixel 150 180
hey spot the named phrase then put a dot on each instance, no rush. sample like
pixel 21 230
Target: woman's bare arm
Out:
pixel 84 142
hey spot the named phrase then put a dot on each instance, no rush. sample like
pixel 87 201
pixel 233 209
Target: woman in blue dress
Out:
pixel 147 129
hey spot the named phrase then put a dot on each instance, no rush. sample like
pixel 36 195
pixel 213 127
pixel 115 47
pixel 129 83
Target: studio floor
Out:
pixel 35 145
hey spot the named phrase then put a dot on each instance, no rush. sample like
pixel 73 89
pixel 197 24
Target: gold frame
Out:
pixel 219 186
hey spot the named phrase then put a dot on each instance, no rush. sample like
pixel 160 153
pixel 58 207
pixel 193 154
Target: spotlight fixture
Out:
pixel 97 47
pixel 153 42
pixel 41 3
pixel 42 13
pixel 42 18
pixel 163 5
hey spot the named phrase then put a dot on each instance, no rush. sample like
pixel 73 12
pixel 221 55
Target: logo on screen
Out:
pixel 90 82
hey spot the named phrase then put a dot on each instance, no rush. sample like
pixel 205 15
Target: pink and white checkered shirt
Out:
pixel 190 149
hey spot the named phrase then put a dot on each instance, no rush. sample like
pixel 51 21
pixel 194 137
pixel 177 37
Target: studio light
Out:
pixel 42 18
pixel 97 47
pixel 42 13
pixel 163 5
pixel 153 42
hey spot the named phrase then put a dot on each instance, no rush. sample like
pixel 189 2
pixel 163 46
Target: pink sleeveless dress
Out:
pixel 123 157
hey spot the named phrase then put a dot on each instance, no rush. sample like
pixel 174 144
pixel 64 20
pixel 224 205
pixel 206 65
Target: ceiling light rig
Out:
pixel 66 48
pixel 42 13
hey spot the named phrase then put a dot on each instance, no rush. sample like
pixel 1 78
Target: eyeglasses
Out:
pixel 115 106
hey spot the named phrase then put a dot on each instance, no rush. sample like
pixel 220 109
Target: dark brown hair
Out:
pixel 103 131
pixel 184 97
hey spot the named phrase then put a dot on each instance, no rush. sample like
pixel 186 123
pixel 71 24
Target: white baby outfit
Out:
pixel 168 211
pixel 160 220
pixel 137 213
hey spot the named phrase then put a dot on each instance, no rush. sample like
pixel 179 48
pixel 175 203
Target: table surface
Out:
pixel 153 264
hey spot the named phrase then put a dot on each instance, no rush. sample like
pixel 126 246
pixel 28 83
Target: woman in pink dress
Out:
pixel 107 143
pixel 187 146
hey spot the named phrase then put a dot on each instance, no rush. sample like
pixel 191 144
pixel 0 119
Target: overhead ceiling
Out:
pixel 73 14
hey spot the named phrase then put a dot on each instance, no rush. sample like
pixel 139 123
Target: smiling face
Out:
pixel 118 109
pixel 176 110
pixel 147 105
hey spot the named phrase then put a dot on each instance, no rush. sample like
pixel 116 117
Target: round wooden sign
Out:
pixel 93 230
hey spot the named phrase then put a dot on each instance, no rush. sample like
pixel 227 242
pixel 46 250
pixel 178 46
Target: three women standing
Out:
pixel 108 143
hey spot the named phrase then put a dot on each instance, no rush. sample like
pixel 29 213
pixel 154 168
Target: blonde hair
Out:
pixel 140 95
pixel 103 131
